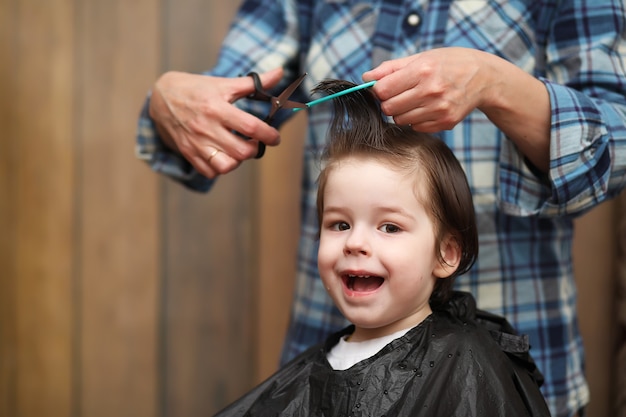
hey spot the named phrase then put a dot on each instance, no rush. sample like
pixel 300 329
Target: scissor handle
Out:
pixel 282 101
pixel 258 94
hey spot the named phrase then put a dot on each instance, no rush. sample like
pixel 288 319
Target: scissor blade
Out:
pixel 284 96
pixel 339 93
pixel 294 105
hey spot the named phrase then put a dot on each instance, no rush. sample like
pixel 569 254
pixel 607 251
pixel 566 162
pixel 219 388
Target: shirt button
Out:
pixel 413 19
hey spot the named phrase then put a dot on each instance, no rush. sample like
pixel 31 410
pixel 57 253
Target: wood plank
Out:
pixel 209 293
pixel 209 299
pixel 119 199
pixel 594 267
pixel 8 209
pixel 618 370
pixel 44 207
pixel 279 229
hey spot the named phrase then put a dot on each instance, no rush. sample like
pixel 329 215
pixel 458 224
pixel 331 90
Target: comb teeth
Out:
pixel 339 93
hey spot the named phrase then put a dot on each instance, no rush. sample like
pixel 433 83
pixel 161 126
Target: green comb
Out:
pixel 340 93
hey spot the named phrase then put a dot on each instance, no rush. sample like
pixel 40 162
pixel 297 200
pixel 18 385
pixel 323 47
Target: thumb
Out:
pixel 384 69
pixel 245 85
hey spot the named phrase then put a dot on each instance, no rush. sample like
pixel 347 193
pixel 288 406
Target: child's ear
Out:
pixel 450 251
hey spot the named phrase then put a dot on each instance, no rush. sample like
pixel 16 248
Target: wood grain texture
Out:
pixel 618 369
pixel 279 225
pixel 210 259
pixel 43 216
pixel 8 206
pixel 119 201
pixel 594 252
pixel 122 293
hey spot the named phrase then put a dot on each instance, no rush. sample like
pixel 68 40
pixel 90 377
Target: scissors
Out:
pixel 277 103
pixel 283 102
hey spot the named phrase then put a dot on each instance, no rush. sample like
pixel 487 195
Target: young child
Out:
pixel 397 226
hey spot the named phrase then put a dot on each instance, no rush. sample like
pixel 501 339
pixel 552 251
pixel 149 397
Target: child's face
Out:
pixel 377 248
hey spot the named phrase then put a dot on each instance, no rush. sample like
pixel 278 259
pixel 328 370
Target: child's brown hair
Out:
pixel 359 128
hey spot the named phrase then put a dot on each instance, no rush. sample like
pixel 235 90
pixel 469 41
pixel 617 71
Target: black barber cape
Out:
pixel 459 361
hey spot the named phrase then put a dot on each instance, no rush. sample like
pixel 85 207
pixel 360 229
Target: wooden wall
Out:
pixel 595 254
pixel 619 364
pixel 121 293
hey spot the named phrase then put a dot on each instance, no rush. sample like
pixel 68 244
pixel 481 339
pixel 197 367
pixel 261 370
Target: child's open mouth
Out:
pixel 362 283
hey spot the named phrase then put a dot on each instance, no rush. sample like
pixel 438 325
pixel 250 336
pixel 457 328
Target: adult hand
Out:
pixel 436 89
pixel 432 90
pixel 194 116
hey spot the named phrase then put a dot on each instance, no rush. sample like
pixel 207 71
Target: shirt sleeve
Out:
pixel 151 149
pixel 585 79
pixel 263 36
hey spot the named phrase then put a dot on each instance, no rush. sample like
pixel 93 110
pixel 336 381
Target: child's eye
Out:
pixel 389 228
pixel 340 226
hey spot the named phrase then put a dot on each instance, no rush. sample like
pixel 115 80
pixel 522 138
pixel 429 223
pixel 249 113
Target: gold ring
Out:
pixel 215 152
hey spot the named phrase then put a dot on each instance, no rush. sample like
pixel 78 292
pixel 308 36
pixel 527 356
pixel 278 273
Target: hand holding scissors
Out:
pixel 283 102
pixel 277 103
pixel 194 116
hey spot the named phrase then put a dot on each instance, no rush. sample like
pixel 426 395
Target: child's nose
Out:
pixel 357 243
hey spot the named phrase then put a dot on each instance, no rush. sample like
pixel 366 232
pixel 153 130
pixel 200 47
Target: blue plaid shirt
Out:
pixel 524 271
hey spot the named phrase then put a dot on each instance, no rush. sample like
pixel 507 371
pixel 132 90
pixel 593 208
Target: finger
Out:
pixel 211 162
pixel 244 86
pixel 427 120
pixel 221 162
pixel 202 166
pixel 234 131
pixel 399 83
pixel 416 118
pixel 204 149
pixel 385 69
pixel 249 126
pixel 401 103
pixel 232 143
pixel 271 78
pixel 429 126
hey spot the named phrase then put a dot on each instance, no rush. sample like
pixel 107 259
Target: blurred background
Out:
pixel 123 294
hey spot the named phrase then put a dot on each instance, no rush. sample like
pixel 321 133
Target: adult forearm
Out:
pixel 519 105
